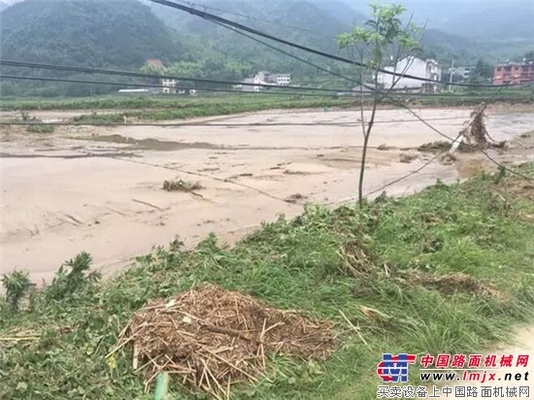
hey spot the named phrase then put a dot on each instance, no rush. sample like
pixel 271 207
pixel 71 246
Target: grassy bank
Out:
pixel 174 103
pixel 192 110
pixel 154 102
pixel 448 270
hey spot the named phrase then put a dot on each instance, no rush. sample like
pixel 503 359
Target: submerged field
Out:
pixel 101 189
pixel 448 270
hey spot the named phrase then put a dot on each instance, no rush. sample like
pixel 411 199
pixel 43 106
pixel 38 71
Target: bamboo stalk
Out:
pixel 162 386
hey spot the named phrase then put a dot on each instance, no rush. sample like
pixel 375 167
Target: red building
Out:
pixel 513 73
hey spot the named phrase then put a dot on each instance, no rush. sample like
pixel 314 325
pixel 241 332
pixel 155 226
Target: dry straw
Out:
pixel 211 339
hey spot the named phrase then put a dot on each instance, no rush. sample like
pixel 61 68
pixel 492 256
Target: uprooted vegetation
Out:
pixel 473 137
pixel 435 147
pixel 213 338
pixel 295 198
pixel 179 185
pixel 444 271
pixel 33 125
pixel 475 134
pixel 450 284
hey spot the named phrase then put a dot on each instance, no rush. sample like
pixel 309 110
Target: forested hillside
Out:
pixel 92 33
pixel 464 32
pixel 307 22
pixel 119 33
pixel 123 34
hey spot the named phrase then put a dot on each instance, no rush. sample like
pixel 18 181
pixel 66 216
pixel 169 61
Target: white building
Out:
pixel 461 73
pixel 134 91
pixel 426 69
pixel 283 79
pixel 249 87
pixel 263 78
pixel 168 86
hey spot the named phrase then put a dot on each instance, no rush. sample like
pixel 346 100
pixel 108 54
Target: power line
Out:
pixel 469 145
pixel 11 63
pixel 391 183
pixel 141 85
pixel 406 176
pixel 416 171
pixel 370 88
pixel 124 73
pixel 328 92
pixel 285 52
pixel 269 21
pixel 223 22
pixel 213 18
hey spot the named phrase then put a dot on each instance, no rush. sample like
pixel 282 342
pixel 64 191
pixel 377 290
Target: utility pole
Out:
pixel 450 75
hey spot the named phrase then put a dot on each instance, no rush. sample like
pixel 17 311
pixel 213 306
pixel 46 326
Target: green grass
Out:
pixel 35 125
pixel 313 263
pixel 40 128
pixel 161 102
pixel 192 110
pixel 250 102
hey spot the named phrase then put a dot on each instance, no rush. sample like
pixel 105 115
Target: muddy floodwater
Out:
pixel 100 189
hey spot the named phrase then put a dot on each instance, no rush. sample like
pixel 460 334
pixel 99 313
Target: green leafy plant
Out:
pixel 16 284
pixel 72 277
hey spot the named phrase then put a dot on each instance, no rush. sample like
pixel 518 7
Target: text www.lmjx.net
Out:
pixel 482 377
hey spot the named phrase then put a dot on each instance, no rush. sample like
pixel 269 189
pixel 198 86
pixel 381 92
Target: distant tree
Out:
pixel 529 56
pixel 185 68
pixel 151 70
pixel 482 72
pixel 383 40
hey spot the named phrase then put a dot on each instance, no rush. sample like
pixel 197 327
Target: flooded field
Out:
pixel 100 189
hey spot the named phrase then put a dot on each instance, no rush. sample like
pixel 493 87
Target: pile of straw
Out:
pixel 210 338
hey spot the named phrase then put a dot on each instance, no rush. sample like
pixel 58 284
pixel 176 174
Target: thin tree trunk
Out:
pixel 362 169
pixel 366 137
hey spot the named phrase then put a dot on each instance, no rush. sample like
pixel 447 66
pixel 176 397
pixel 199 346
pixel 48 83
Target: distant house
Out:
pixel 513 73
pixel 266 78
pixel 168 86
pixel 262 77
pixel 426 69
pixel 249 85
pixel 460 74
pixel 283 79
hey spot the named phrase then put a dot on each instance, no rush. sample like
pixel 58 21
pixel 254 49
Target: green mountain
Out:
pixel 509 20
pixel 93 33
pixel 119 34
pixel 463 31
pixel 304 22
pixel 481 19
pixel 123 34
